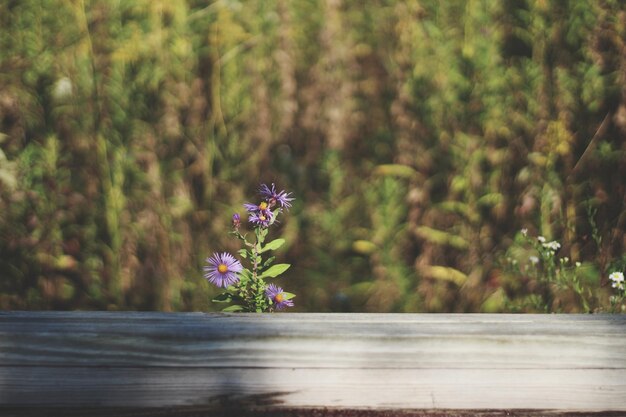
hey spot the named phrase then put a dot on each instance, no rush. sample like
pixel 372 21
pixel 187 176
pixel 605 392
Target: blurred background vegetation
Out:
pixel 419 138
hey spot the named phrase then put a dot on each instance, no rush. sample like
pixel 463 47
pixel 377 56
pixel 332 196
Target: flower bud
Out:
pixel 236 221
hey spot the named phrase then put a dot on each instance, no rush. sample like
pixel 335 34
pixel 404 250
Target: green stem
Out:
pixel 255 269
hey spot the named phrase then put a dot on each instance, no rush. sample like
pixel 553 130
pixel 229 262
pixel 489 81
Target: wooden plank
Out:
pixel 498 389
pixel 284 361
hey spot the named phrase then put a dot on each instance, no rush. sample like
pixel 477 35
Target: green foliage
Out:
pixel 274 270
pixel 420 137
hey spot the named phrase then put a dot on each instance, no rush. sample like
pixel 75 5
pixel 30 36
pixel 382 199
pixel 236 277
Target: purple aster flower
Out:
pixel 222 269
pixel 272 196
pixel 261 218
pixel 277 296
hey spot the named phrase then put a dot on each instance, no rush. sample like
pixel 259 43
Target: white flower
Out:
pixel 617 277
pixel 578 264
pixel 524 232
pixel 553 246
pixel 618 280
pixel 534 260
pixel 541 239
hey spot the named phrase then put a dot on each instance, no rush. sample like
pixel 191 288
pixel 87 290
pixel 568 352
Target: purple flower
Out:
pixel 236 221
pixel 222 269
pixel 261 218
pixel 272 196
pixel 277 296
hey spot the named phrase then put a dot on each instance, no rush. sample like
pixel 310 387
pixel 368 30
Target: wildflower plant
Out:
pixel 247 289
pixel 547 275
pixel 617 283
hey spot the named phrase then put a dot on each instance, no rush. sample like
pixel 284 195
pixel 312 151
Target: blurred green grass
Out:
pixel 417 137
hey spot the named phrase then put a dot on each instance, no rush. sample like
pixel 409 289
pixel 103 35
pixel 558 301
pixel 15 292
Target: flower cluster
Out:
pixel 246 287
pixel 617 282
pixel 553 246
pixel 261 214
pixel 545 273
pixel 543 260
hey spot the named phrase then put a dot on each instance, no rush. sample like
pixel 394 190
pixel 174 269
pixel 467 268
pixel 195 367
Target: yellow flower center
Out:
pixel 222 269
pixel 263 205
pixel 262 218
pixel 279 297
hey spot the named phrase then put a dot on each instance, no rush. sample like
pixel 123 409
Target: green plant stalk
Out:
pixel 255 303
pixel 255 273
pixel 258 286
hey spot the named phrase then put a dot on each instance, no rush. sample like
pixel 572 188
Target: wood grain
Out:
pixel 573 363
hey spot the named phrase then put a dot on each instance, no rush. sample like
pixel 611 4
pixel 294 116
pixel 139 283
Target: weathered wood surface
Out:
pixel 573 363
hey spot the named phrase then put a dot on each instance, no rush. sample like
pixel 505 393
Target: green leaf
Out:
pixel 396 170
pixel 243 253
pixel 490 199
pixel 445 273
pixel 364 247
pixel 288 295
pixel 223 298
pixel 273 245
pixel 439 237
pixel 231 309
pixel 268 262
pixel 275 270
